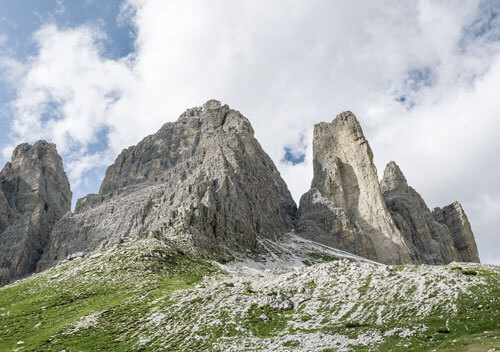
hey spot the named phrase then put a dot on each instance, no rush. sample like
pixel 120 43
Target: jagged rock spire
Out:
pixel 393 178
pixel 34 195
pixel 453 216
pixel 348 208
pixel 345 207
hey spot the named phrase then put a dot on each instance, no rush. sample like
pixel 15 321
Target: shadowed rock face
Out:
pixel 453 216
pixel 34 195
pixel 438 238
pixel 344 207
pixel 203 181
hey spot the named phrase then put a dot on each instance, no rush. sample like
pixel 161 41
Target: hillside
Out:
pixel 146 294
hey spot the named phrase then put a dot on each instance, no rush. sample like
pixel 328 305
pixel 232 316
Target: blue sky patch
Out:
pixel 419 78
pixel 293 156
pixel 101 141
pixel 414 81
pixel 18 24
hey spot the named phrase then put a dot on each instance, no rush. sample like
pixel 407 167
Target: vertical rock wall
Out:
pixel 34 195
pixel 389 222
pixel 344 207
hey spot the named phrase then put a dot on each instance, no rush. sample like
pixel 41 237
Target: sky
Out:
pixel 422 76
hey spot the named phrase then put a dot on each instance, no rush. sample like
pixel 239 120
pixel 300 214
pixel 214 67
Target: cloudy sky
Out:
pixel 423 77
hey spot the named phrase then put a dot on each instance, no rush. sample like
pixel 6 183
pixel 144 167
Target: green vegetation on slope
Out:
pixel 149 296
pixel 94 303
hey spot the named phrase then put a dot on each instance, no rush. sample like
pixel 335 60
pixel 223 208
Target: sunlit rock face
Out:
pixel 344 207
pixel 203 181
pixel 389 222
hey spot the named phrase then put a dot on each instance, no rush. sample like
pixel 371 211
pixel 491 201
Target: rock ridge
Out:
pixel 204 183
pixel 389 222
pixel 431 238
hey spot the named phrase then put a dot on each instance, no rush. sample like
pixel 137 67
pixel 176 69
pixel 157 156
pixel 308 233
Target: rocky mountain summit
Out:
pixel 344 207
pixel 203 181
pixel 204 185
pixel 34 195
pixel 439 237
pixel 389 222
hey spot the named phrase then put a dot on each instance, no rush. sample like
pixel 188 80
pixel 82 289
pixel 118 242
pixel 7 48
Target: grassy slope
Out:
pixel 119 286
pixel 147 296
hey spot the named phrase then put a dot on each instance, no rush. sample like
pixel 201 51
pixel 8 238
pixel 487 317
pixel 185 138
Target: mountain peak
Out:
pixel 203 180
pixel 393 178
pixel 344 207
pixel 34 194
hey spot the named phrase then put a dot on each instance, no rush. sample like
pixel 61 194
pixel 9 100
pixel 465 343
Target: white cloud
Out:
pixel 286 65
pixel 486 209
pixel 66 92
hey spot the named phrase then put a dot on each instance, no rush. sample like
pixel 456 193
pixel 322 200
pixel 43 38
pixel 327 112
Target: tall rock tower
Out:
pixel 34 195
pixel 389 222
pixel 344 207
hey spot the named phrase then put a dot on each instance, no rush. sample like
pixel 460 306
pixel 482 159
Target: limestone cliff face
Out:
pixel 431 241
pixel 344 207
pixel 389 222
pixel 203 181
pixel 453 216
pixel 34 195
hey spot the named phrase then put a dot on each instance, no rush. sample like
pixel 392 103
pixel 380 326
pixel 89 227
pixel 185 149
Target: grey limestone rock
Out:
pixel 453 216
pixel 347 207
pixel 34 195
pixel 344 207
pixel 430 241
pixel 203 181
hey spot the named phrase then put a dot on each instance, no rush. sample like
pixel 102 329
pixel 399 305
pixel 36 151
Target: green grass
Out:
pixel 42 312
pixel 276 320
pixel 475 327
pixel 123 290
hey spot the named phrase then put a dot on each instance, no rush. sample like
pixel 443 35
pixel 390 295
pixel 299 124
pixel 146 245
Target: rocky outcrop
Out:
pixel 431 241
pixel 34 195
pixel 344 207
pixel 203 181
pixel 347 207
pixel 454 218
pixel 205 184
